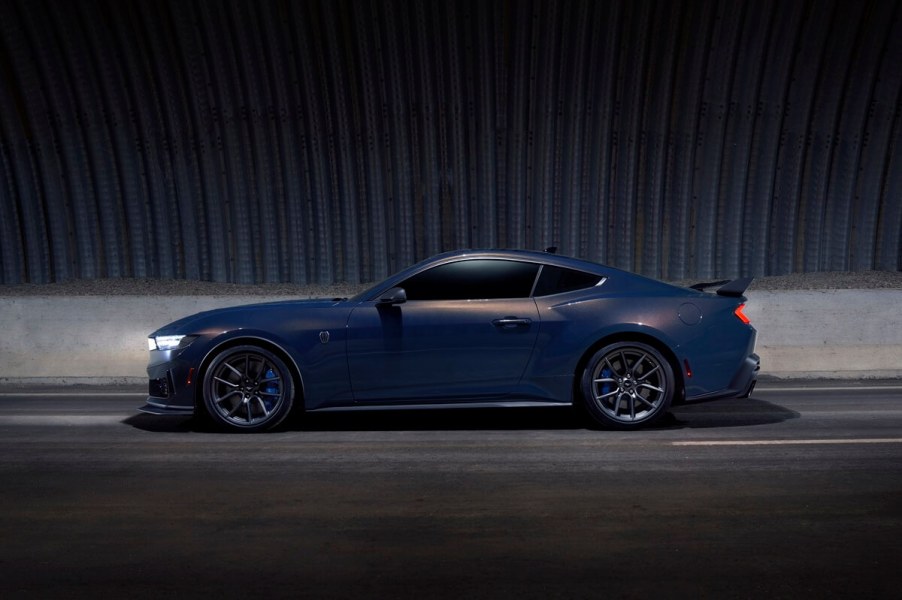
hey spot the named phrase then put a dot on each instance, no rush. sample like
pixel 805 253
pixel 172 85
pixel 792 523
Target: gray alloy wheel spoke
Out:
pixel 235 410
pixel 605 380
pixel 262 405
pixel 220 399
pixel 637 364
pixel 260 373
pixel 608 395
pixel 648 373
pixel 645 401
pixel 647 386
pixel 233 369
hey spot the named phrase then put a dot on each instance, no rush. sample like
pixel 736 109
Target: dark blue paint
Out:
pixel 448 352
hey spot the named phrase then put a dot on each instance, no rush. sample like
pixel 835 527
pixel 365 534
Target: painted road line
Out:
pixel 788 442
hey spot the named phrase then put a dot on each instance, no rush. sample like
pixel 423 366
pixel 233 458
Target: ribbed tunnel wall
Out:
pixel 339 141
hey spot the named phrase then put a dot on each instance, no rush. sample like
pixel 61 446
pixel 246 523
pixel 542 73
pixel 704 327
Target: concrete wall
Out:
pixel 88 339
pixel 832 333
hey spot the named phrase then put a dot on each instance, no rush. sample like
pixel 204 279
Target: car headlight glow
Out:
pixel 169 342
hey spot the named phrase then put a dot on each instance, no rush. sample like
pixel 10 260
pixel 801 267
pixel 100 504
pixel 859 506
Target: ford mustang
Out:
pixel 464 329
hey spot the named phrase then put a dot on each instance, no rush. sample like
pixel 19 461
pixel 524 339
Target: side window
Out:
pixel 556 280
pixel 473 280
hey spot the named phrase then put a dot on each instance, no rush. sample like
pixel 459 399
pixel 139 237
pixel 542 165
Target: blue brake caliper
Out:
pixel 606 387
pixel 272 387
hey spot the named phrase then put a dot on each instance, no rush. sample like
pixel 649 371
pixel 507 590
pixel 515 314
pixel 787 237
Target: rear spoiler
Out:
pixel 733 289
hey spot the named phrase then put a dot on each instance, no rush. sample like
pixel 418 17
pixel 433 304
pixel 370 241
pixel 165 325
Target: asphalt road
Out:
pixel 796 492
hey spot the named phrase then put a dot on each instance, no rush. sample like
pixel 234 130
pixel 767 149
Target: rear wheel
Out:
pixel 627 385
pixel 248 388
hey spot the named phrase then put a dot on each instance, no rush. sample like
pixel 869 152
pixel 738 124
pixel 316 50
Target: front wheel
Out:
pixel 627 385
pixel 248 388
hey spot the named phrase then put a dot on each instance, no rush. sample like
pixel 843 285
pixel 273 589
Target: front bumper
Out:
pixel 154 408
pixel 171 387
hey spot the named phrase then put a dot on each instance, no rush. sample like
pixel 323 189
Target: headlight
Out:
pixel 169 342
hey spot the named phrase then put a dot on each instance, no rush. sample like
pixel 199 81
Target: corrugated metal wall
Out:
pixel 339 141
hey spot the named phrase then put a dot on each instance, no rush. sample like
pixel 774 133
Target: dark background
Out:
pixel 339 141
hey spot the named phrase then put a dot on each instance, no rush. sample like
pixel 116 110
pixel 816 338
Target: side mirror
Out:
pixel 393 296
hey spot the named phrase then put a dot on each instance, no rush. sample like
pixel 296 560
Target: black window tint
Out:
pixel 473 280
pixel 555 280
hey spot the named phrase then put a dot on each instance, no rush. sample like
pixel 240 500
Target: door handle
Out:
pixel 511 322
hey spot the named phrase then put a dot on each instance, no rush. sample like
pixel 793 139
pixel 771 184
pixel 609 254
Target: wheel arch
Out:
pixel 631 336
pixel 249 340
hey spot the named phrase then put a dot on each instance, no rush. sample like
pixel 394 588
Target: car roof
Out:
pixel 534 256
pixel 525 255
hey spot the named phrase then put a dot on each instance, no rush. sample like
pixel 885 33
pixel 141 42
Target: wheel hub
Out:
pixel 627 385
pixel 249 389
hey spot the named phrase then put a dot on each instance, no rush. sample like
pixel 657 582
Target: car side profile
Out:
pixel 493 328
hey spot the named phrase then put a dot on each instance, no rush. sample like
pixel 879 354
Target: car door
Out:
pixel 465 332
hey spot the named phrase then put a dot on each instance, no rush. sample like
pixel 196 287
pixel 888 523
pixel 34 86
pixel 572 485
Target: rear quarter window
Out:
pixel 557 280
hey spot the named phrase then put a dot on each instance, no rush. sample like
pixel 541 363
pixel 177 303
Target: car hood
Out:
pixel 233 313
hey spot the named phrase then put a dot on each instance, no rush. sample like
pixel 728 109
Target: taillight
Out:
pixel 741 315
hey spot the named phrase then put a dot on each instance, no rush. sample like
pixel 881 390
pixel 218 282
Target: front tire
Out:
pixel 248 388
pixel 627 385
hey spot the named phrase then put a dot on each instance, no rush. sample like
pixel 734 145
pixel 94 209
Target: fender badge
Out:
pixel 324 337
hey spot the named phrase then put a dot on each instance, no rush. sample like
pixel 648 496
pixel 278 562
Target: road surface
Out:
pixel 795 492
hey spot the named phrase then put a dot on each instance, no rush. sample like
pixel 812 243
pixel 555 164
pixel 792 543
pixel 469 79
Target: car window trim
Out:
pixel 535 283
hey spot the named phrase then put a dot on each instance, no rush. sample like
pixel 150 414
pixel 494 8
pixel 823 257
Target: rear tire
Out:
pixel 248 389
pixel 627 385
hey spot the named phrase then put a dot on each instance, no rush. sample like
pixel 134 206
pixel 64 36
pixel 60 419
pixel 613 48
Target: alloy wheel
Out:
pixel 248 388
pixel 628 384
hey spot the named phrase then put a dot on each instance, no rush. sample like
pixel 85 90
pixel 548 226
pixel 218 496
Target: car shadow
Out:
pixel 736 412
pixel 743 412
pixel 165 424
pixel 460 419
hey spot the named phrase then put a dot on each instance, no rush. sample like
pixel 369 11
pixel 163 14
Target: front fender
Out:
pixel 319 361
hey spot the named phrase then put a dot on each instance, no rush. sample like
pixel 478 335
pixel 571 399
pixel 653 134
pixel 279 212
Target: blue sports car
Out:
pixel 463 329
